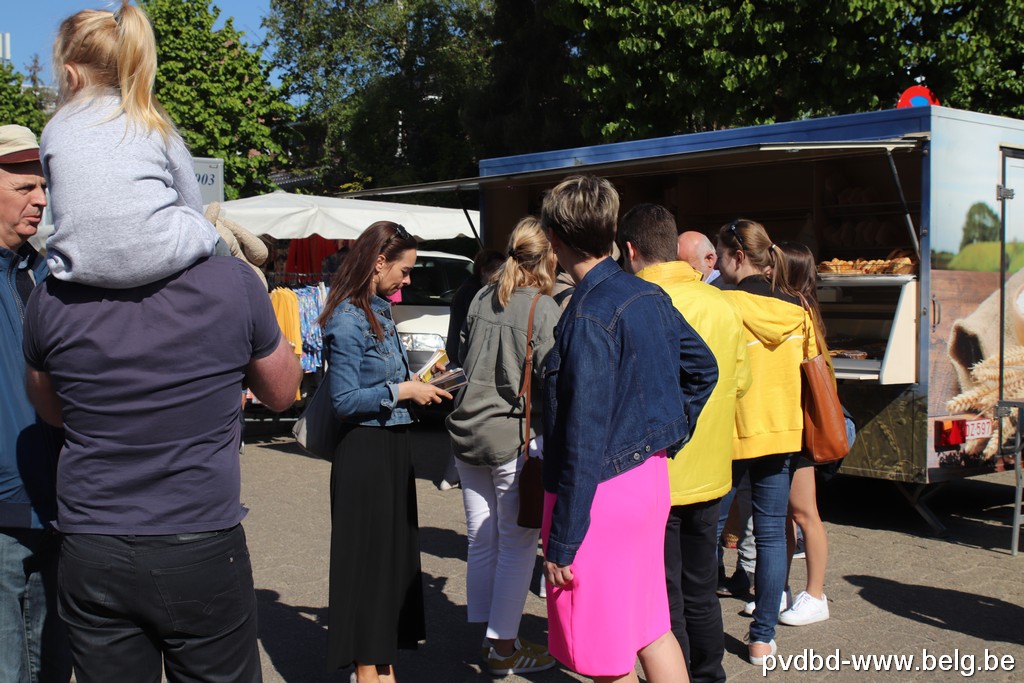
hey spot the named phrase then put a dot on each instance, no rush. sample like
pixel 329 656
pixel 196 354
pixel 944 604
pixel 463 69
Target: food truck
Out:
pixel 920 241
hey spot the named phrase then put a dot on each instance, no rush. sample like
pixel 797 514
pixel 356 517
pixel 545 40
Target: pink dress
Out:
pixel 617 603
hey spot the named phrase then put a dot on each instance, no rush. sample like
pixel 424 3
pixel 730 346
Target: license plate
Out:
pixel 979 429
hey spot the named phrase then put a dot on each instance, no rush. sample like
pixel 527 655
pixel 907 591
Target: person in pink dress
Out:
pixel 625 382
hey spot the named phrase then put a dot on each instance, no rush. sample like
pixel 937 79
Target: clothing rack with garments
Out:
pixel 279 279
pixel 298 309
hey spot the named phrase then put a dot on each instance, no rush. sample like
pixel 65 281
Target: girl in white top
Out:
pixel 126 205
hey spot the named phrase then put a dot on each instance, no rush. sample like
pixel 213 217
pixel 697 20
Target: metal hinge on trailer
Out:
pixel 1004 193
pixel 1007 409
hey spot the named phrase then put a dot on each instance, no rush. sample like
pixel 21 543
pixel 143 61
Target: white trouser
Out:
pixel 501 553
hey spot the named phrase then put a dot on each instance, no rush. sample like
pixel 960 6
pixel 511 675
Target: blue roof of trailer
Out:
pixel 876 125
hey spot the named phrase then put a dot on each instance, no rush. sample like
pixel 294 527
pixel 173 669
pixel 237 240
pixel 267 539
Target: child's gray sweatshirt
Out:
pixel 126 205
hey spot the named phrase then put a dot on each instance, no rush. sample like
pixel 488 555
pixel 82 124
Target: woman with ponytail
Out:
pixel 126 205
pixel 769 418
pixel 488 430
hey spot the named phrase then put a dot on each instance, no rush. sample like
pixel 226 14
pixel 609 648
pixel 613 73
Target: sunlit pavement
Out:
pixel 893 588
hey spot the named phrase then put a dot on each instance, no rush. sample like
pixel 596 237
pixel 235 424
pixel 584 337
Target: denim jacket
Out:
pixel 627 378
pixel 364 372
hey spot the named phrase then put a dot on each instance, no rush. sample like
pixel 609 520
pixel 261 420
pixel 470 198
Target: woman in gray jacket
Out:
pixel 487 428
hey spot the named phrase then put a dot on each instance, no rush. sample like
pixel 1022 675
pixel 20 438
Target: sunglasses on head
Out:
pixel 400 231
pixel 736 234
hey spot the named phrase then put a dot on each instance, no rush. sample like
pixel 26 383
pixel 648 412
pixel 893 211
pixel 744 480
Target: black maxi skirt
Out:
pixel 376 589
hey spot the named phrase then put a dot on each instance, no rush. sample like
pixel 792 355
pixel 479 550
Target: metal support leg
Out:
pixel 917 495
pixel 1016 449
pixel 1015 541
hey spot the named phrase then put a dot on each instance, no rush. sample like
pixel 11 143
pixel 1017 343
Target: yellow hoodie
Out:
pixel 769 418
pixel 702 471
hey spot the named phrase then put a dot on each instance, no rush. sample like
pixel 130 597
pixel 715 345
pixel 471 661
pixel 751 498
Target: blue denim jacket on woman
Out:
pixel 365 372
pixel 627 378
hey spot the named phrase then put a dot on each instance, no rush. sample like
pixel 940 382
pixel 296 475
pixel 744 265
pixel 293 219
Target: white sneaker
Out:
pixel 806 609
pixel 784 603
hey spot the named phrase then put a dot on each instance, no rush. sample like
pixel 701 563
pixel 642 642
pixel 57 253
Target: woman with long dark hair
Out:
pixel 376 591
pixel 810 605
pixel 769 418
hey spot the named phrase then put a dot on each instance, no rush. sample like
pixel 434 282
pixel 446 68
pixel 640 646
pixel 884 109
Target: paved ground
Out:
pixel 893 588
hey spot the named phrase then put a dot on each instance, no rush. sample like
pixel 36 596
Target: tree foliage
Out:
pixel 419 90
pixel 218 91
pixel 525 104
pixel 18 104
pixel 384 84
pixel 656 68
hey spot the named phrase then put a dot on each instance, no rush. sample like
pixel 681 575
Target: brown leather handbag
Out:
pixel 531 480
pixel 824 423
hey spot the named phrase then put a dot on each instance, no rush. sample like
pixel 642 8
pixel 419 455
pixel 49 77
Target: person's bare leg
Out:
pixel 803 502
pixel 367 673
pixel 790 537
pixel 386 674
pixel 631 677
pixel 503 646
pixel 663 661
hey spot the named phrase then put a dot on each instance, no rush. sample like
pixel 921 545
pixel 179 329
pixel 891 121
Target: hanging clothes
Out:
pixel 307 255
pixel 286 309
pixel 310 308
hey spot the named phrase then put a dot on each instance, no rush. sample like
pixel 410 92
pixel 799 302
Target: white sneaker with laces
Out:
pixel 806 609
pixel 784 604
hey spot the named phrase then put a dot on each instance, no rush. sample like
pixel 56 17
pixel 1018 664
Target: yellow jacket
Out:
pixel 702 471
pixel 769 418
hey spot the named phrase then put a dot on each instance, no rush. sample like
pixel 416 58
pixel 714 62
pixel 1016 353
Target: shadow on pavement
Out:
pixel 979 616
pixel 977 513
pixel 295 639
pixel 444 543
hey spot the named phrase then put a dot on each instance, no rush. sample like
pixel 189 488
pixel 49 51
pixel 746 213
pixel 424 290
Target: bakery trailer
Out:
pixel 915 216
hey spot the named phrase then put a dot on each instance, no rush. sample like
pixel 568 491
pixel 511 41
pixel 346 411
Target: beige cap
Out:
pixel 17 145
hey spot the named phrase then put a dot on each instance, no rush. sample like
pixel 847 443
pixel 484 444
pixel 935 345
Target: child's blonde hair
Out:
pixel 530 262
pixel 112 50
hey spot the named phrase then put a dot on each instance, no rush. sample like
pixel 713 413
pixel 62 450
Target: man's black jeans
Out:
pixel 137 604
pixel 691 572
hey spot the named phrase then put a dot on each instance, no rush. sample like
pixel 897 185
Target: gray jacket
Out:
pixel 486 425
pixel 126 205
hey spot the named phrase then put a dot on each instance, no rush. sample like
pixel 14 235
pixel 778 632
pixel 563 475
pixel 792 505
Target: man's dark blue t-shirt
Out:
pixel 151 383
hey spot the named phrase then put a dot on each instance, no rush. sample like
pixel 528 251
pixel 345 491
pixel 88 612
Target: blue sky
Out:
pixel 33 24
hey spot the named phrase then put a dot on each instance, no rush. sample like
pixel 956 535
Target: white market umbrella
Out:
pixel 284 215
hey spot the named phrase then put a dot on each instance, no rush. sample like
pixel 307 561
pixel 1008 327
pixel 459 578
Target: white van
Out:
pixel 422 316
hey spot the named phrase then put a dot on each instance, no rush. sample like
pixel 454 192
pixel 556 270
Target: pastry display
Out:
pixel 847 353
pixel 902 265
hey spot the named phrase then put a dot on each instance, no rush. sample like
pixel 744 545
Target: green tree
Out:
pixel 18 104
pixel 525 104
pixel 384 84
pixel 217 89
pixel 980 225
pixel 657 68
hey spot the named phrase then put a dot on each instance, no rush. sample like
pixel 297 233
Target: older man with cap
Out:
pixel 34 640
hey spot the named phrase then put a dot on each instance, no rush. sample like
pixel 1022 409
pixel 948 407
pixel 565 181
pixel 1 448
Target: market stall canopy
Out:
pixel 283 215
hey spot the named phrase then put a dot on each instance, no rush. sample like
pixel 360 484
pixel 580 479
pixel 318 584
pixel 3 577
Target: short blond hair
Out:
pixel 583 212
